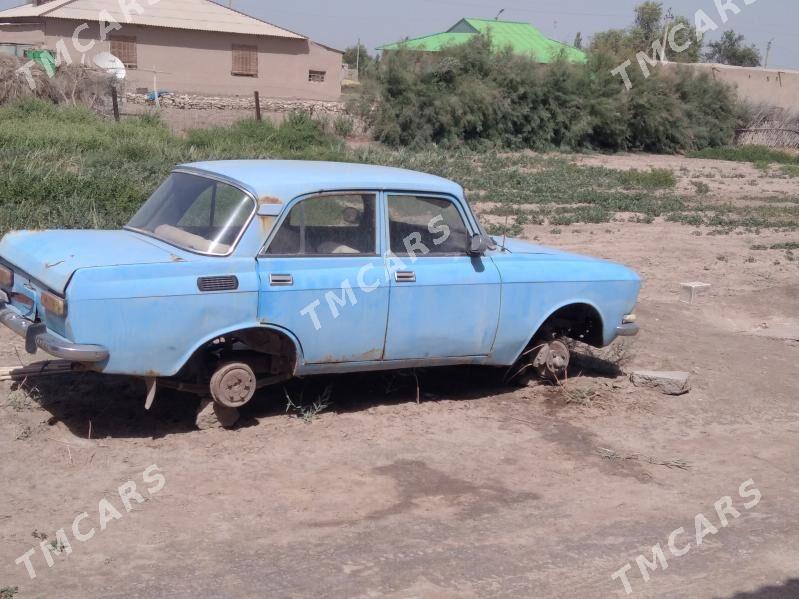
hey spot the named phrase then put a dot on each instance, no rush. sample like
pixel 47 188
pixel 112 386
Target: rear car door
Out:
pixel 444 303
pixel 323 278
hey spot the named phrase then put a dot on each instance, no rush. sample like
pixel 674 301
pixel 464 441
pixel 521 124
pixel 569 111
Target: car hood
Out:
pixel 51 257
pixel 519 246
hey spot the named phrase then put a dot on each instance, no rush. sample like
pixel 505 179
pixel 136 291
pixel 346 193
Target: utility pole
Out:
pixel 768 52
pixel 358 59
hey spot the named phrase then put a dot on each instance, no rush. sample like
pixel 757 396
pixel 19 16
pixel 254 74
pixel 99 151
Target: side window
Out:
pixel 328 225
pixel 425 226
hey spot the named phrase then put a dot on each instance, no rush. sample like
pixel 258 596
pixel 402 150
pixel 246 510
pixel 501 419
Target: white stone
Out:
pixel 669 383
pixel 689 292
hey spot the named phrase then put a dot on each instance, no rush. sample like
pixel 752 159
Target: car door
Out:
pixel 443 302
pixel 323 278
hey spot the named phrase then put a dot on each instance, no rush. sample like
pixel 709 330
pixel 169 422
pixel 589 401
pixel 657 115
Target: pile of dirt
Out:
pixel 72 84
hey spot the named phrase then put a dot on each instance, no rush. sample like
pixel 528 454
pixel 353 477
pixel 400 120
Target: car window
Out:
pixel 424 226
pixel 328 225
pixel 195 212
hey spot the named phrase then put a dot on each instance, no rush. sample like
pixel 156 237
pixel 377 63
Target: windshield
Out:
pixel 195 213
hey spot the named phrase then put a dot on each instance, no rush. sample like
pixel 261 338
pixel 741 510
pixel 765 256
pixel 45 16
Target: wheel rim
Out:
pixel 233 385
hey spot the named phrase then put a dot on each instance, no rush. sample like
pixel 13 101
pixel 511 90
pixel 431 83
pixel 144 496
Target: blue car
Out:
pixel 239 274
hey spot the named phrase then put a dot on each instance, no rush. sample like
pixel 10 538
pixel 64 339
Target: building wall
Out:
pixel 201 62
pixel 779 88
pixel 22 34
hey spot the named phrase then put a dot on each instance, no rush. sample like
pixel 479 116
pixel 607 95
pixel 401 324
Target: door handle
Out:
pixel 276 280
pixel 405 276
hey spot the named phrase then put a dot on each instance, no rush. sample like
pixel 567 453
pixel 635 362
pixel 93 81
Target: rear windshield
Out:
pixel 195 213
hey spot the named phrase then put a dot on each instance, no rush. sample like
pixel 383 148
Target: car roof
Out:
pixel 287 179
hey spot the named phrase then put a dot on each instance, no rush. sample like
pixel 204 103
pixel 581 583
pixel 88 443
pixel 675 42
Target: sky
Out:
pixel 340 23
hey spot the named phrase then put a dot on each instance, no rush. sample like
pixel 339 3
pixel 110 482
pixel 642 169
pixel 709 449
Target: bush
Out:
pixel 472 95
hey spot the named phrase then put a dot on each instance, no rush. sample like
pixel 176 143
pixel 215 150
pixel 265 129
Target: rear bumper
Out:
pixel 38 337
pixel 627 330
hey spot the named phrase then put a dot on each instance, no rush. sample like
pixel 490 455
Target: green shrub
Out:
pixel 472 95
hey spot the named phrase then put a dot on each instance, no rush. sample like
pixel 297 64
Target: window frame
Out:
pixel 125 39
pixel 234 48
pixel 434 196
pixel 218 179
pixel 342 192
pixel 312 72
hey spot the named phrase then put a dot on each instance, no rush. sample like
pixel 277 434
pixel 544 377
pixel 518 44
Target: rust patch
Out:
pixel 269 200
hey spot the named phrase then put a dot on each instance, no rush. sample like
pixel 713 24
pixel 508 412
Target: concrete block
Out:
pixel 689 292
pixel 669 383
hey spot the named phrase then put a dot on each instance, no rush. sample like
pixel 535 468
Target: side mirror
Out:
pixel 480 244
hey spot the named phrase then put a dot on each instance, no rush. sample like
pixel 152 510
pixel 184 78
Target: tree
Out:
pixel 578 41
pixel 651 28
pixel 732 49
pixel 363 60
pixel 649 18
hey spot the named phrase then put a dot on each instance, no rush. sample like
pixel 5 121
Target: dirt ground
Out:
pixel 478 491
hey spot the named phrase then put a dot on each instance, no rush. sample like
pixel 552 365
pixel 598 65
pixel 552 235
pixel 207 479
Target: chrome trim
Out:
pixel 405 276
pixel 37 336
pixel 278 280
pixel 233 183
pixel 627 330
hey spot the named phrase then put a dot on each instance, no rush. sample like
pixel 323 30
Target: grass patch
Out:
pixel 788 245
pixel 69 168
pixel 656 178
pixel 753 154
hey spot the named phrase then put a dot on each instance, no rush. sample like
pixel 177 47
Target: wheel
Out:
pixel 233 384
pixel 551 361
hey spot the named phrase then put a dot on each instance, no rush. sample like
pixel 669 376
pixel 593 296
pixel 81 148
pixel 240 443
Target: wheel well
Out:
pixel 268 351
pixel 580 322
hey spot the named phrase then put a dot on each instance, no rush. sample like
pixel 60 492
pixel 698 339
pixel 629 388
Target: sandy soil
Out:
pixel 727 181
pixel 478 491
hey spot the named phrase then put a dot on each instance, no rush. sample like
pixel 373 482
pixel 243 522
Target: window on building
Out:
pixel 245 61
pixel 124 48
pixel 317 76
pixel 17 50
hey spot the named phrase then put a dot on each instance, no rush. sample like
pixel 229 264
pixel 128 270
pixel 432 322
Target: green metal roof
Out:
pixel 522 38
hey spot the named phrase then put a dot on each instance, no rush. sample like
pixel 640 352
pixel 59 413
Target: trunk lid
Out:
pixel 51 257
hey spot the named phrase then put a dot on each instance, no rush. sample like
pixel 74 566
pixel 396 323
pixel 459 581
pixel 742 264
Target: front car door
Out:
pixel 324 280
pixel 444 303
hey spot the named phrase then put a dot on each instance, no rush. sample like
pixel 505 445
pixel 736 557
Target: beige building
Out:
pixel 189 46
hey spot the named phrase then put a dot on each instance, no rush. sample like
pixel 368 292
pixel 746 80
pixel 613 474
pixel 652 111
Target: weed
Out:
pixel 8 592
pixel 21 398
pixel 610 454
pixel 309 412
pixel 343 125
pixel 657 178
pixel 701 187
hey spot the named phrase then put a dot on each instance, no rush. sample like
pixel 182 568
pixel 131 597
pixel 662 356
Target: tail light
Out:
pixel 6 277
pixel 54 304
